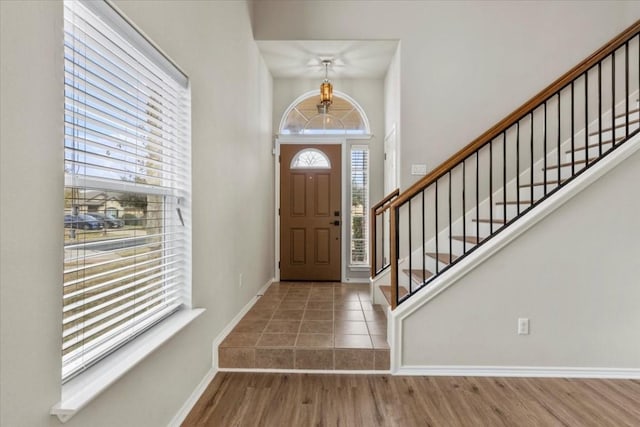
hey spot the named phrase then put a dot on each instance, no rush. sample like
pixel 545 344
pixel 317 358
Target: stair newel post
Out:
pixel 394 240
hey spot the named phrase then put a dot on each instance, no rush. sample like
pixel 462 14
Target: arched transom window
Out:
pixel 310 158
pixel 305 117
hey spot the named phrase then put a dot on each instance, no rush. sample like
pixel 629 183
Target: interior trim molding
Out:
pixel 306 371
pixel 519 371
pixel 188 405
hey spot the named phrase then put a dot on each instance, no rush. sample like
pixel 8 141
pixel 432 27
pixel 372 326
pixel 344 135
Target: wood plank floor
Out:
pixel 297 400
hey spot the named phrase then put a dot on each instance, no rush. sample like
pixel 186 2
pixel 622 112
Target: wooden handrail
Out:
pixel 386 199
pixel 509 120
pixel 373 240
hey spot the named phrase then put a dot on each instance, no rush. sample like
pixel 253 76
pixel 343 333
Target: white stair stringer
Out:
pixel 472 260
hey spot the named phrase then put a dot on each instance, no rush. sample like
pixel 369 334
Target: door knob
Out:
pixel 336 222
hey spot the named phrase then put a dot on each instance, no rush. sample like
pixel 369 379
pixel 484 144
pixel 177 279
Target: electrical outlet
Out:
pixel 240 281
pixel 523 326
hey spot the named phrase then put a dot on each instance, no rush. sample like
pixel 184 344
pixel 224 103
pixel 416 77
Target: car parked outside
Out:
pixel 86 222
pixel 108 220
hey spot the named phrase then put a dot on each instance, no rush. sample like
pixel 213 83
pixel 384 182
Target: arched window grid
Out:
pixel 347 117
pixel 310 158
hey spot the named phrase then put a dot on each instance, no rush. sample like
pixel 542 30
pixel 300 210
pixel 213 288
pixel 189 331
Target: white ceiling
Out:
pixel 351 59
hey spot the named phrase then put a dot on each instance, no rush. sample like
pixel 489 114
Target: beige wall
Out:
pixel 466 59
pixel 232 204
pixel 574 275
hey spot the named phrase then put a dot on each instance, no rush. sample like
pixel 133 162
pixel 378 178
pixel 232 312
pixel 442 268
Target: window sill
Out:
pixel 82 389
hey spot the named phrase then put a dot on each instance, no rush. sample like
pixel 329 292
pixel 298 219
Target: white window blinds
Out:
pixel 127 185
pixel 359 205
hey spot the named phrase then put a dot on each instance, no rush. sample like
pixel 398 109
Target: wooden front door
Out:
pixel 310 217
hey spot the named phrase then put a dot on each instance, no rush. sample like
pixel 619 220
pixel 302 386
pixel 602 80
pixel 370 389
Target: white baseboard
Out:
pixel 519 371
pixel 306 371
pixel 179 418
pixel 232 324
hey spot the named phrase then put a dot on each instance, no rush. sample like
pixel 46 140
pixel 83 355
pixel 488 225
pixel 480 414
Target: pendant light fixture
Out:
pixel 326 89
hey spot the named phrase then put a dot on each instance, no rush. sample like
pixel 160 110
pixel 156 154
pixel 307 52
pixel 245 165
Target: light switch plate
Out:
pixel 418 169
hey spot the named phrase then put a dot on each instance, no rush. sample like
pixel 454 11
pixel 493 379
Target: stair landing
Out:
pixel 309 325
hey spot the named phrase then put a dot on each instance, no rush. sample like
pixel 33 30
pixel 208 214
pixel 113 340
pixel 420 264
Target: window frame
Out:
pixel 300 153
pixel 367 202
pixel 349 134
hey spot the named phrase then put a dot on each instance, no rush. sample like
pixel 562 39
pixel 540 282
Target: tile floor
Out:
pixel 309 325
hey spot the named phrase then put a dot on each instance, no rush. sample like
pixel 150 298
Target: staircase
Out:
pixel 508 172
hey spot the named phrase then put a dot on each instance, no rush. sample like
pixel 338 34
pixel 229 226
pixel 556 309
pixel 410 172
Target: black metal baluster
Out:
pixel 396 243
pixel 518 166
pixel 464 210
pixel 410 252
pixel 436 218
pixel 586 114
pixel 450 229
pixel 544 157
pixel 559 135
pixel 478 193
pixel 490 187
pixel 573 133
pixel 613 98
pixel 424 249
pixel 531 170
pixel 599 109
pixel 626 88
pixel 504 176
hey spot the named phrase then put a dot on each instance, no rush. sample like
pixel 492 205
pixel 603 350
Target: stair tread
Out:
pixel 594 145
pixel 444 258
pixel 515 202
pixel 555 181
pixel 416 274
pixel 470 239
pixel 496 220
pixel 562 165
pixel 386 291
pixel 635 110
pixel 615 127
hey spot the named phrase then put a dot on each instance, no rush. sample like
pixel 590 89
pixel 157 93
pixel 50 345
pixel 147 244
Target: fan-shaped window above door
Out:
pixel 343 117
pixel 310 158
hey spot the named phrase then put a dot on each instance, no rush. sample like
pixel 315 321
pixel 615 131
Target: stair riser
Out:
pixel 456 246
pixel 565 171
pixel 593 153
pixel 619 121
pixel 619 127
pixel 416 263
pixel 512 211
pixel 403 280
pixel 483 228
pixel 538 191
